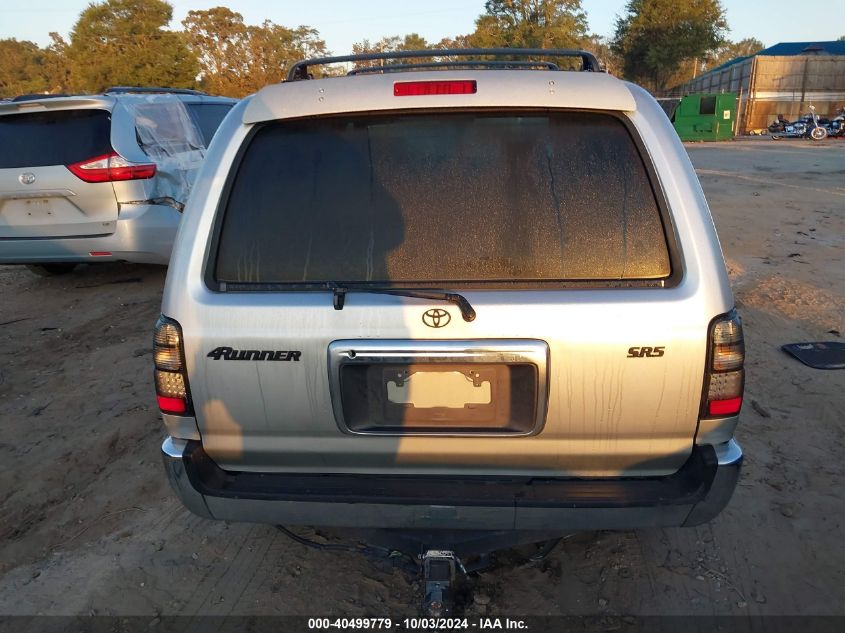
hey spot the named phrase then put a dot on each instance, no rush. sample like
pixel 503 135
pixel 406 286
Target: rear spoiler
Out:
pixel 54 103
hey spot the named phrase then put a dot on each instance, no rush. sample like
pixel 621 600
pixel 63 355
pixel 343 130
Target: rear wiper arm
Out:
pixel 466 309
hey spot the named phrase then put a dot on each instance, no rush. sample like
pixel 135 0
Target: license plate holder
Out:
pixel 516 370
pixel 429 398
pixel 28 210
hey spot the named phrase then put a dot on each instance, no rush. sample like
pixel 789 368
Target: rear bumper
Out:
pixel 143 234
pixel 693 495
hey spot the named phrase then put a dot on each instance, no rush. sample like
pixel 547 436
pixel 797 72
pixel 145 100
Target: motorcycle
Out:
pixel 808 126
pixel 778 125
pixel 837 125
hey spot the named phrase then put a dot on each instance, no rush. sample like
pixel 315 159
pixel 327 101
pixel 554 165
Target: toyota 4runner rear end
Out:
pixel 479 299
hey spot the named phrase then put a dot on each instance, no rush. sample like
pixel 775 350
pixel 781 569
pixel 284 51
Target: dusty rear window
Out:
pixel 58 137
pixel 442 199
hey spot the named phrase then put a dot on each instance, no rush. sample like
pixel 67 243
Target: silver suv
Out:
pixel 486 298
pixel 99 177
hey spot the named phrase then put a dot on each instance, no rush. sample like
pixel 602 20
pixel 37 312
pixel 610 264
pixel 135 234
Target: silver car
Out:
pixel 454 303
pixel 99 177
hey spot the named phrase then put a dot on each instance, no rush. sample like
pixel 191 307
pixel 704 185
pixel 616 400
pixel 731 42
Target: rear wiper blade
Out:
pixel 340 291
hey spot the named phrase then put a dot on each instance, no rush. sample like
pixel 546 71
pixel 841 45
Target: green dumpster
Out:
pixel 705 117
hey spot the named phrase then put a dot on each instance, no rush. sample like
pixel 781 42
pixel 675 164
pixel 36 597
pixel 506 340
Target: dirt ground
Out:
pixel 88 524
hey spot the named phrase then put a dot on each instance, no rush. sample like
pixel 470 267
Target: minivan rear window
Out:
pixel 208 117
pixel 445 198
pixel 55 137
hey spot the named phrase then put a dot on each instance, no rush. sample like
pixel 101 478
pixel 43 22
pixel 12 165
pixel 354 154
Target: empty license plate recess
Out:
pixel 439 387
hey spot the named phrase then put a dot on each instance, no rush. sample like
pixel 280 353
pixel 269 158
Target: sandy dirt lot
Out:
pixel 89 526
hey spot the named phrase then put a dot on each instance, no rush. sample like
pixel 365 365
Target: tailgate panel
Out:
pixel 56 204
pixel 606 413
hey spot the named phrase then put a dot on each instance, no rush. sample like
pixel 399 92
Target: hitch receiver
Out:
pixel 438 577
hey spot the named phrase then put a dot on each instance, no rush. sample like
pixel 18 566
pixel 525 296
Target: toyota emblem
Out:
pixel 27 178
pixel 436 317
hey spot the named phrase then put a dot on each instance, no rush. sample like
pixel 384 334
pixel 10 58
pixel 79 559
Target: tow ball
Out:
pixel 439 568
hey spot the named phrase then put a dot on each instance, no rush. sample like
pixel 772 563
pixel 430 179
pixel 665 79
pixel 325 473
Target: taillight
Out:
pixel 429 88
pixel 111 167
pixel 725 377
pixel 170 374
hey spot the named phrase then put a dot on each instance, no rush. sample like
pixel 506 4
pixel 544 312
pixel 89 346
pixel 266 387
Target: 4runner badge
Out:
pixel 227 353
pixel 436 317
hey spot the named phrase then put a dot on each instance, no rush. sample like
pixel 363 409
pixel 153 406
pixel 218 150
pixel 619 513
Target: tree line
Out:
pixel 657 43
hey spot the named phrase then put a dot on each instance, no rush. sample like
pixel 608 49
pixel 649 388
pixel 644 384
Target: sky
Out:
pixel 343 23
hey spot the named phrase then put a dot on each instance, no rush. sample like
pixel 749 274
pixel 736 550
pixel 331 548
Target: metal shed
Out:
pixel 783 79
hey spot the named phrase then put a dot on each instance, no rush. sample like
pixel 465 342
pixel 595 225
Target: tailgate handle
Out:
pixel 41 193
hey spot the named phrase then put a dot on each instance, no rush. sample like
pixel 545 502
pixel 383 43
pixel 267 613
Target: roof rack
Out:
pixel 469 63
pixel 589 62
pixel 146 89
pixel 35 97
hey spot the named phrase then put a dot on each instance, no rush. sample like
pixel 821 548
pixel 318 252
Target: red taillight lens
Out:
pixel 171 405
pixel 111 167
pixel 725 407
pixel 725 377
pixel 171 378
pixel 428 88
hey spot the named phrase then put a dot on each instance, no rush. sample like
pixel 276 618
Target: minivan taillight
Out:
pixel 111 167
pixel 725 377
pixel 170 373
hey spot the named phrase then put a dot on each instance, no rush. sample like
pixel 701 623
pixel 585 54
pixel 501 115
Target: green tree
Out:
pixel 691 68
pixel 731 50
pixel 655 37
pixel 273 49
pixel 411 42
pixel 459 41
pixel 25 68
pixel 125 42
pixel 56 64
pixel 602 49
pixel 237 59
pixel 530 24
pixel 219 38
pixel 504 24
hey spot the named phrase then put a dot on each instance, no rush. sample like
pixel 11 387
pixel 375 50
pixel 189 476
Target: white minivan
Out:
pixel 88 178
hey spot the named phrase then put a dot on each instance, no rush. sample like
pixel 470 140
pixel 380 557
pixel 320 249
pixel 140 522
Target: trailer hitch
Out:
pixel 439 568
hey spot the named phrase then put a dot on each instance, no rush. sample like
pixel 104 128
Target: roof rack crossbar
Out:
pixel 148 89
pixel 36 97
pixel 455 64
pixel 589 62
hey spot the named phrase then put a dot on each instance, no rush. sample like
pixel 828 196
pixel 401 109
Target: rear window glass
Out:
pixel 164 128
pixel 208 117
pixel 451 197
pixel 63 137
